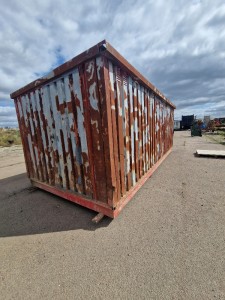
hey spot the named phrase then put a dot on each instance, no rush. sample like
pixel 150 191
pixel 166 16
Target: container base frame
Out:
pixel 97 205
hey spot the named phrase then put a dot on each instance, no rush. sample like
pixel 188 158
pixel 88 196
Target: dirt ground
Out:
pixel 11 161
pixel 168 242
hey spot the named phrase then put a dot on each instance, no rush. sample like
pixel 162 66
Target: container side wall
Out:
pixel 142 126
pixel 64 129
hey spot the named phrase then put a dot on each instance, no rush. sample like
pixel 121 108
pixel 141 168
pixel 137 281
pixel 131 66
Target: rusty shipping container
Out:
pixel 94 129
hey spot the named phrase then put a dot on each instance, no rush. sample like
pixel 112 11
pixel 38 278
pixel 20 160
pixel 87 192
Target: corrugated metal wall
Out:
pixel 142 128
pixel 56 126
pixel 71 140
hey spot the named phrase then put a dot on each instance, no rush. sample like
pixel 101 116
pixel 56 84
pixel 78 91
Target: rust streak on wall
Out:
pixel 118 89
pixel 114 112
pixel 107 130
pixel 96 129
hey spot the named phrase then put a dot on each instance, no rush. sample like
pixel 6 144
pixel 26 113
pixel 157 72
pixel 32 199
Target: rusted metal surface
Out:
pixel 94 129
pixel 98 218
pixel 143 128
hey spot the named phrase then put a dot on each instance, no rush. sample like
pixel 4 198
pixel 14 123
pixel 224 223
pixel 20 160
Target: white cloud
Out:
pixel 7 111
pixel 178 46
pixel 8 116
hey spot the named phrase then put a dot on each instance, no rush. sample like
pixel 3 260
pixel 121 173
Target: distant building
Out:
pixel 176 125
pixel 206 120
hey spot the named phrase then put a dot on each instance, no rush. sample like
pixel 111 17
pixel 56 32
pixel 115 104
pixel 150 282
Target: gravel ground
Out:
pixel 168 242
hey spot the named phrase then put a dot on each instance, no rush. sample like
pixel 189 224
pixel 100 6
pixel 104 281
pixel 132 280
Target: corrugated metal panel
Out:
pixel 54 124
pixel 143 128
pixel 96 130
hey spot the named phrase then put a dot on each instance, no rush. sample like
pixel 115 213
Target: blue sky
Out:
pixel 178 45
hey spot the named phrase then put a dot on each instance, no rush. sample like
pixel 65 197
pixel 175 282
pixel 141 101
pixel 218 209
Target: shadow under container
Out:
pixel 94 129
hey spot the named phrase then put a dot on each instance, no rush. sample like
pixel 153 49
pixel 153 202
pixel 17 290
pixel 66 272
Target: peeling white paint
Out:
pixel 93 96
pixel 90 69
pixel 119 104
pixel 95 123
pixel 133 177
pixel 37 82
pixel 76 87
pixel 111 77
pixel 132 153
pixel 37 103
pixel 58 127
pixel 32 98
pixel 132 125
pixel 80 111
pixel 31 152
pixel 23 103
pixel 51 131
pixel 135 89
pixel 147 162
pixel 136 129
pixel 29 111
pixel 99 64
pixel 86 165
pixel 127 161
pixel 139 94
pixel 130 94
pixel 125 103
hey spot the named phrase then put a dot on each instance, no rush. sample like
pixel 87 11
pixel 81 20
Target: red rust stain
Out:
pixel 96 130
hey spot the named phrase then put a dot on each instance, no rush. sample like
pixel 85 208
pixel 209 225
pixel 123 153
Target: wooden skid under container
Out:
pixel 94 129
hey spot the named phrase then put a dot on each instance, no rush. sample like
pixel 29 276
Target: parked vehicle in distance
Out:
pixel 187 121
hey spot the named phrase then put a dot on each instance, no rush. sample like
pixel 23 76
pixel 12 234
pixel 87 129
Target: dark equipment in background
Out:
pixel 187 121
pixel 196 128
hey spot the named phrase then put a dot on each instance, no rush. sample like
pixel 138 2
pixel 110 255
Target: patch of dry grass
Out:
pixel 218 137
pixel 9 137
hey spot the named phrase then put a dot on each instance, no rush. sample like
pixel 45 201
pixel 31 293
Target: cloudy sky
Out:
pixel 178 45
